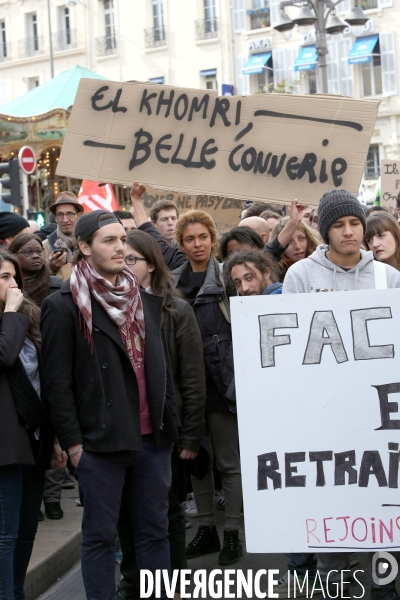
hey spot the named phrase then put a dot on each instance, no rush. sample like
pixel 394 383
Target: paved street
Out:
pixel 70 587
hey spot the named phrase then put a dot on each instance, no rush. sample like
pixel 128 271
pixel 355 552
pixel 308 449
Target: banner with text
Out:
pixel 263 147
pixel 224 211
pixel 317 383
pixel 390 184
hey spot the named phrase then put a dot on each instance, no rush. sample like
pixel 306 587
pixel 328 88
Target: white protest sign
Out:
pixel 318 390
pixel 262 147
pixel 390 184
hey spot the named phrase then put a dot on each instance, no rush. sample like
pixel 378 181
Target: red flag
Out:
pixel 93 197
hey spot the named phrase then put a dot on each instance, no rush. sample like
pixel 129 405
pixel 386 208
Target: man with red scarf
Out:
pixel 112 401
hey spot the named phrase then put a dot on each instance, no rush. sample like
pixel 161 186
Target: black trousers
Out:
pixel 146 477
pixel 130 576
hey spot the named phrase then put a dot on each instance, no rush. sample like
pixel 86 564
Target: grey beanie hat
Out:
pixel 334 205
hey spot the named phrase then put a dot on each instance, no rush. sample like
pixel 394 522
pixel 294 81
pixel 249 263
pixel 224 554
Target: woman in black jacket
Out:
pixel 26 438
pixel 197 274
pixel 184 356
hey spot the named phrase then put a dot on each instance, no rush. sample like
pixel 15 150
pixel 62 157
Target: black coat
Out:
pixel 218 357
pixel 184 350
pixel 16 447
pixel 92 389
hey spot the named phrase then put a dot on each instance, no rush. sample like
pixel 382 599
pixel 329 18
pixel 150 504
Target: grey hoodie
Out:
pixel 318 274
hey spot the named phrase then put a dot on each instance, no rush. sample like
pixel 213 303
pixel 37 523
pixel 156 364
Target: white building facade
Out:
pixel 209 44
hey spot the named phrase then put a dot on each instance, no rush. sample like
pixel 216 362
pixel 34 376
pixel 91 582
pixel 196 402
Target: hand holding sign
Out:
pixel 295 217
pixel 295 211
pixel 137 192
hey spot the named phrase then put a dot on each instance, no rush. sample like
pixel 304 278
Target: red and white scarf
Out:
pixel 121 302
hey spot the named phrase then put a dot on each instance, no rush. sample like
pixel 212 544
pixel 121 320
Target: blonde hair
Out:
pixel 313 240
pixel 195 216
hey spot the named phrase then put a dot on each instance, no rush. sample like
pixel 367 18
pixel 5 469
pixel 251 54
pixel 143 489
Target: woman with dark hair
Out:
pixel 383 238
pixel 38 284
pixel 26 438
pixel 184 355
pixel 198 275
pixel 38 281
pixel 239 238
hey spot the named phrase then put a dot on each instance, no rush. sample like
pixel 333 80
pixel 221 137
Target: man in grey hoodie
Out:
pixel 340 265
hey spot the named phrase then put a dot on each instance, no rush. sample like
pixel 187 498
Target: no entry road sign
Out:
pixel 27 160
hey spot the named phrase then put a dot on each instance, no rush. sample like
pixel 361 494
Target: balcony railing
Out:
pixel 5 52
pixel 367 4
pixel 30 46
pixel 258 20
pixel 206 29
pixel 154 37
pixel 106 45
pixel 64 40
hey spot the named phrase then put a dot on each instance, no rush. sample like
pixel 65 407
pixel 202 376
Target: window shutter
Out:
pixel 283 62
pixel 385 3
pixel 346 71
pixel 343 7
pixel 239 16
pixel 274 11
pixel 333 68
pixel 340 73
pixel 388 62
pixel 243 81
pixel 291 74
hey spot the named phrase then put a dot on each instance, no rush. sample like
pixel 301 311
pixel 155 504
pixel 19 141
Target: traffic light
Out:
pixel 12 183
pixel 37 215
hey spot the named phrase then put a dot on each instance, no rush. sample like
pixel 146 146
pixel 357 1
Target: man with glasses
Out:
pixel 60 244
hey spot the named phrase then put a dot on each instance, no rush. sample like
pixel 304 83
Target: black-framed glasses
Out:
pixel 29 252
pixel 132 260
pixel 68 215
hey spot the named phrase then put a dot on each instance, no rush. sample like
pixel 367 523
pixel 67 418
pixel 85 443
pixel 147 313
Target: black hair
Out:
pixel 375 209
pixel 242 235
pixel 262 261
pixel 123 214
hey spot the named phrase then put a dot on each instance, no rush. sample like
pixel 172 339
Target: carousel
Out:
pixel 39 119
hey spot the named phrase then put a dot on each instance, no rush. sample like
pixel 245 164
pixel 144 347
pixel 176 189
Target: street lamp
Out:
pixel 322 15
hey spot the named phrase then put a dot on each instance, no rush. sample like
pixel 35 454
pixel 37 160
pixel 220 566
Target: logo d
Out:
pixel 384 568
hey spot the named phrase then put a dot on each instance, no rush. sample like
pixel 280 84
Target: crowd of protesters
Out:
pixel 116 356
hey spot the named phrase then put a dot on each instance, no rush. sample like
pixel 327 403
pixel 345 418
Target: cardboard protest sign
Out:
pixel 317 383
pixel 263 147
pixel 390 184
pixel 224 211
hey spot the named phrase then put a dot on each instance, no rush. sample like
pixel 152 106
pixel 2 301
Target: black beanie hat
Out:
pixel 337 204
pixel 11 224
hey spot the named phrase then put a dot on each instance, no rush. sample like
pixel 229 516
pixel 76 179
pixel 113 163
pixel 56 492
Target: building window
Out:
pixel 109 26
pixel 265 80
pixel 3 41
pixel 372 166
pixel 368 4
pixel 372 74
pixel 32 83
pixel 211 84
pixel 312 81
pixel 210 17
pixel 35 34
pixel 158 32
pixel 32 44
pixel 67 25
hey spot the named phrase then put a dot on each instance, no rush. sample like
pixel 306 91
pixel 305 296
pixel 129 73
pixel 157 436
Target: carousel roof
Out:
pixel 58 92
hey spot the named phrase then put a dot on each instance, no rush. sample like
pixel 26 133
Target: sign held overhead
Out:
pixel 261 147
